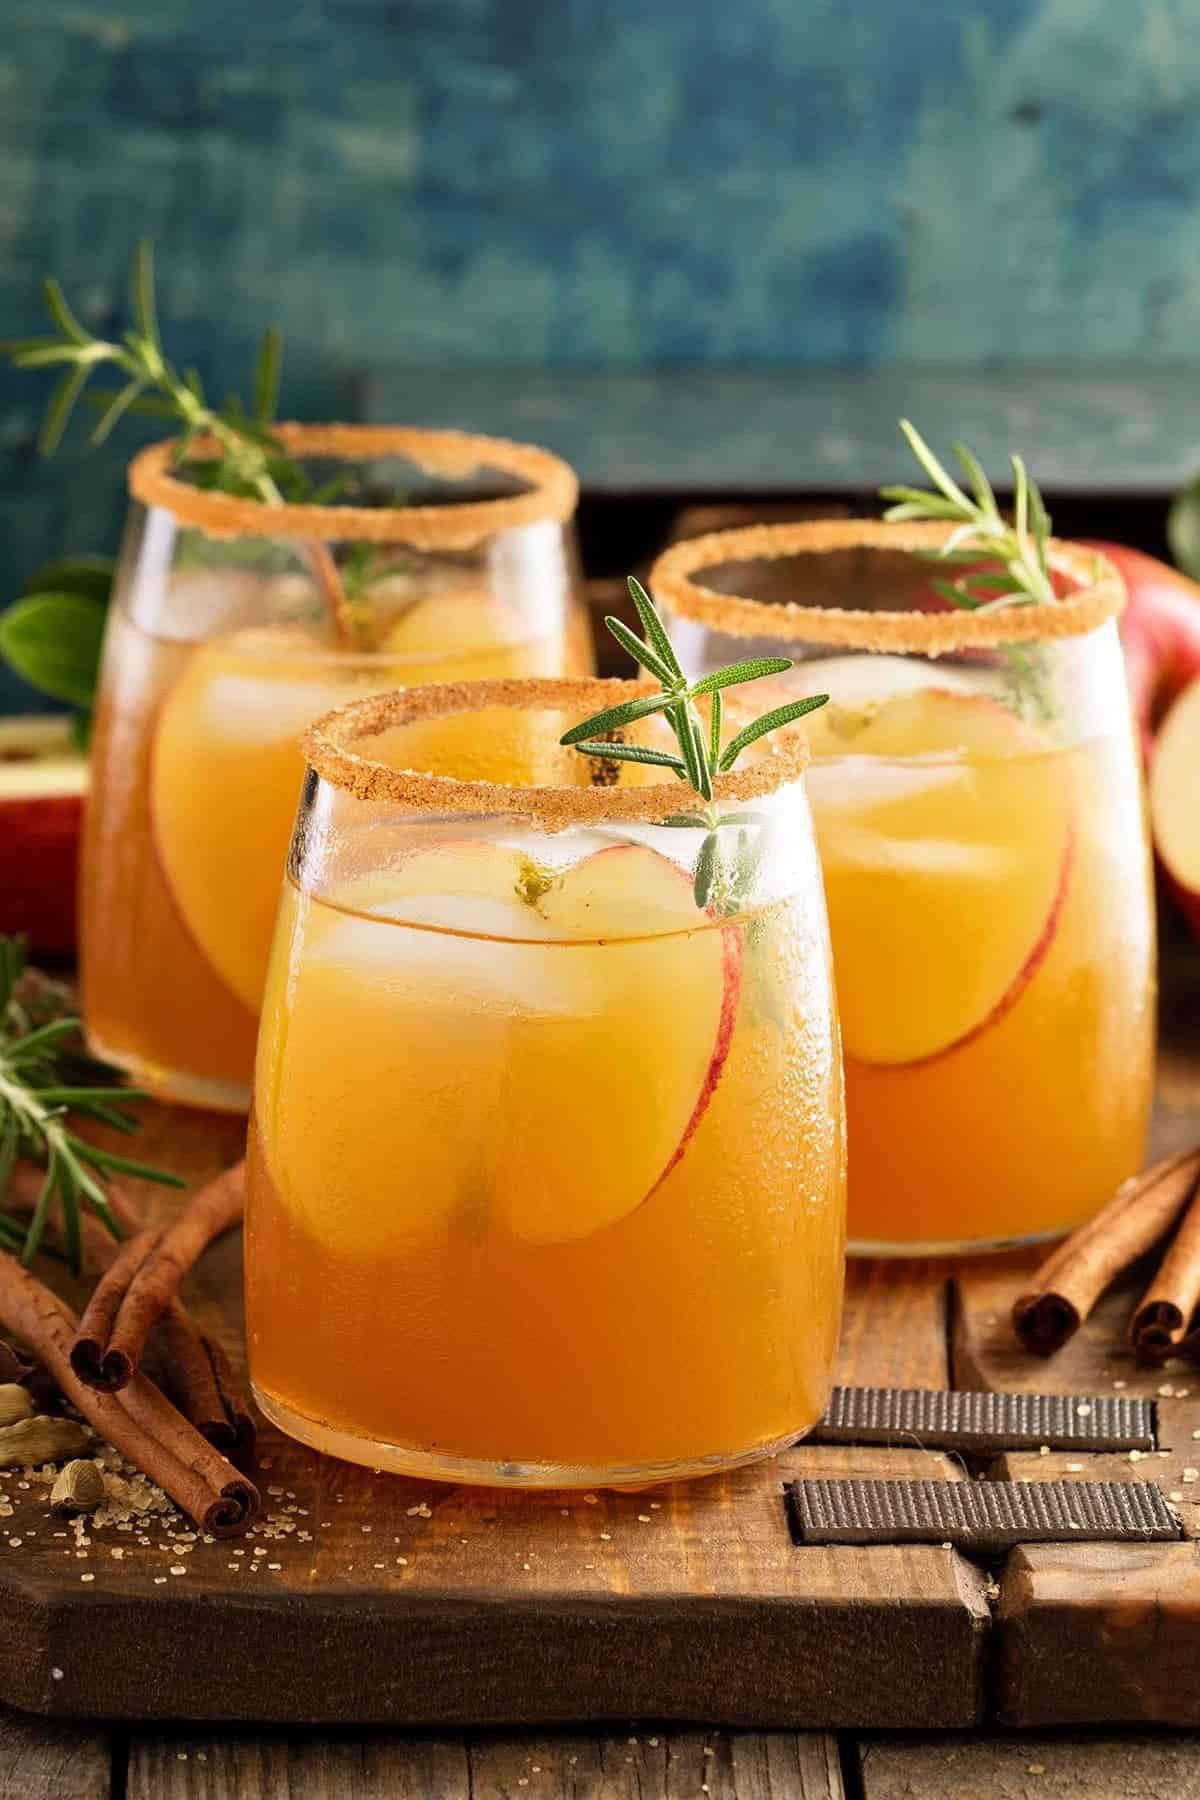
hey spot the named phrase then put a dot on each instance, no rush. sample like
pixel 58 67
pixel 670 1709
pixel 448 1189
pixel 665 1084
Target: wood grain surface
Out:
pixel 641 1762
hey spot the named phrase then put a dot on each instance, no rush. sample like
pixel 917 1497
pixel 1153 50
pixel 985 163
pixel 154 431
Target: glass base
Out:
pixel 171 1084
pixel 955 1246
pixel 401 1459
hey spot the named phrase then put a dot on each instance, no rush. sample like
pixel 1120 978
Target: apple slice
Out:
pixel 43 779
pixel 465 635
pixel 947 844
pixel 658 989
pixel 547 1066
pixel 225 777
pixel 1174 807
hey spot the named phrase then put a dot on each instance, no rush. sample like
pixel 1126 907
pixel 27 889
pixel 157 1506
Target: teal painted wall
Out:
pixel 592 184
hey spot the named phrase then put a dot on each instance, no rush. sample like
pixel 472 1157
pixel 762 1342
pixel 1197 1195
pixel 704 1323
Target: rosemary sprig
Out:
pixel 1019 546
pixel 701 755
pixel 46 1077
pixel 251 462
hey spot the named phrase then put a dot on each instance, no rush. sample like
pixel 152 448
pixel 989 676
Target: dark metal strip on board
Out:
pixel 947 1419
pixel 978 1516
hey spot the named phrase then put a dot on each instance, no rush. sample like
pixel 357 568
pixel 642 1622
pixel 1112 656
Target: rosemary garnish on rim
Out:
pixel 46 1076
pixel 1015 553
pixel 252 461
pixel 701 756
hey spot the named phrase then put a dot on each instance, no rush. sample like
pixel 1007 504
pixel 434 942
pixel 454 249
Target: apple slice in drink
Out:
pixel 946 839
pixel 225 777
pixel 548 1074
pixel 600 1117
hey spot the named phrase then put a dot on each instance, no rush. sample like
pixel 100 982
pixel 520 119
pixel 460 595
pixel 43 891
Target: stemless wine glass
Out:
pixel 233 625
pixel 978 812
pixel 546 1167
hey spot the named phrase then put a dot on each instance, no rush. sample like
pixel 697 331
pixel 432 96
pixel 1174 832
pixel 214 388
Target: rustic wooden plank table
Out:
pixel 850 1643
pixel 1097 1633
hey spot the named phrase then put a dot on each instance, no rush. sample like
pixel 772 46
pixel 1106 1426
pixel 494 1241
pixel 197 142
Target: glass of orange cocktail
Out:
pixel 546 1173
pixel 235 623
pixel 976 799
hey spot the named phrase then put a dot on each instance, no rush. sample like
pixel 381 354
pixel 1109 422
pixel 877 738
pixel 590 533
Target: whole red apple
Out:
pixel 1160 635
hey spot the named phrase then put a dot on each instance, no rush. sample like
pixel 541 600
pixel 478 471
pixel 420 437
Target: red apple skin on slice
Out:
pixel 682 976
pixel 42 783
pixel 948 842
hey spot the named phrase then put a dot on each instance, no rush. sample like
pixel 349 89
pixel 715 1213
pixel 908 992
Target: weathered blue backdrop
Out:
pixel 593 184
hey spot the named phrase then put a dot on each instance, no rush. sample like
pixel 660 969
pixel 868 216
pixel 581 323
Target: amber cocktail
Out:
pixel 976 798
pixel 235 623
pixel 547 1166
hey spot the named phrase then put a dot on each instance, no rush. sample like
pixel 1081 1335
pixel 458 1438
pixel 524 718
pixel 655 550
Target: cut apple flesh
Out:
pixel 225 779
pixel 1175 795
pixel 544 1074
pixel 946 839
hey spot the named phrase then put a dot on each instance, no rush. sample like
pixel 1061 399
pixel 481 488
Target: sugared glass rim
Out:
pixel 327 745
pixel 458 525
pixel 1099 596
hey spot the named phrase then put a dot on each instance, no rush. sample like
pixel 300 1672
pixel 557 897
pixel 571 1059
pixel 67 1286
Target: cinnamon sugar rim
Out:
pixel 457 525
pixel 327 745
pixel 1099 596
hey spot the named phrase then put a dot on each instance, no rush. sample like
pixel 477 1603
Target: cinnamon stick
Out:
pixel 141 1284
pixel 1069 1283
pixel 1161 1321
pixel 139 1422
pixel 200 1378
pixel 90 1356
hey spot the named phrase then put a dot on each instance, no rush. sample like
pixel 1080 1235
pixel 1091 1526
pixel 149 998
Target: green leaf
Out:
pixel 933 468
pixel 955 594
pixel 753 670
pixel 981 487
pixel 89 576
pixel 653 626
pixel 615 716
pixel 53 642
pixel 772 721
pixel 266 374
pixel 62 405
pixel 633 753
pixel 706 871
pixel 60 312
pixel 716 719
pixel 1183 529
pixel 641 653
pixel 114 411
pixel 142 293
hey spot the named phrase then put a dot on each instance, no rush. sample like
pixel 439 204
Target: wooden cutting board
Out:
pixel 363 1598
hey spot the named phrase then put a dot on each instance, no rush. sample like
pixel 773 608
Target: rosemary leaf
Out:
pixel 772 721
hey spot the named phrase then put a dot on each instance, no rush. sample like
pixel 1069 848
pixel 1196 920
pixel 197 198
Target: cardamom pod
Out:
pixel 78 1488
pixel 15 1403
pixel 42 1439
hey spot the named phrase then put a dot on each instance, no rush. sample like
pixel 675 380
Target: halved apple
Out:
pixel 43 779
pixel 1174 805
pixel 947 843
pixel 548 1066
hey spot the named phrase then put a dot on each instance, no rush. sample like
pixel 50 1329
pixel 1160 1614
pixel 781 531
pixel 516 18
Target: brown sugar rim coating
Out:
pixel 552 492
pixel 328 745
pixel 1100 593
